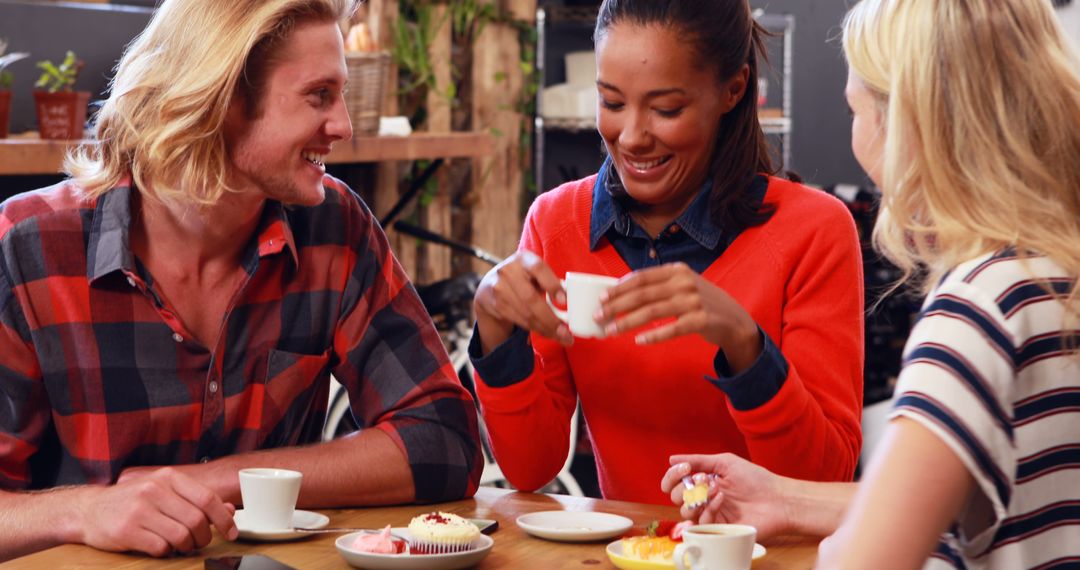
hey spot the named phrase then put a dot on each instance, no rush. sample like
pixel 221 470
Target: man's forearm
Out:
pixel 365 468
pixel 38 520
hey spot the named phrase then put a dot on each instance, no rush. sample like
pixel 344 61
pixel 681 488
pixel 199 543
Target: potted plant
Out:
pixel 61 110
pixel 5 86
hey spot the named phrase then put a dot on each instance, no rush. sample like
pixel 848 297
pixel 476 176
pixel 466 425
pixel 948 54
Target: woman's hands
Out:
pixel 514 293
pixel 741 492
pixel 698 306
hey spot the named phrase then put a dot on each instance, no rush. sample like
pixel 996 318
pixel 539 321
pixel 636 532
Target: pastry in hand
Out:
pixel 696 490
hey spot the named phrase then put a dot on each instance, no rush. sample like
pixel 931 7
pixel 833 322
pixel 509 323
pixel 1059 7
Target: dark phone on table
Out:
pixel 486 526
pixel 245 562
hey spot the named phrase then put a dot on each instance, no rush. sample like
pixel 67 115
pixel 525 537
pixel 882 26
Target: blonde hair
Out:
pixel 162 122
pixel 982 122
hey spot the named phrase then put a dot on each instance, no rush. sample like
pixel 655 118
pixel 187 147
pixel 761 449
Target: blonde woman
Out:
pixel 173 312
pixel 967 115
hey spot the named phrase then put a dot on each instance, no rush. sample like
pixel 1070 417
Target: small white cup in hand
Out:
pixel 716 547
pixel 269 497
pixel 582 301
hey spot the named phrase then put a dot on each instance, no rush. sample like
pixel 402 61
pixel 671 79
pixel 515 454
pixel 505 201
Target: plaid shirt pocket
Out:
pixel 294 398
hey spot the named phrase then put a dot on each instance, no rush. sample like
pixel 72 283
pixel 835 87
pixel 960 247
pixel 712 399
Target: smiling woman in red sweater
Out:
pixel 737 323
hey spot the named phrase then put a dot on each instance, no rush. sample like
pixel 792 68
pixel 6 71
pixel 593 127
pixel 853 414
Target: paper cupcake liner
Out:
pixel 428 547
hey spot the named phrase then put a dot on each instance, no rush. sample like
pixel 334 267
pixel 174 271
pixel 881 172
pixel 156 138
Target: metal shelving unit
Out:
pixel 775 121
pixel 781 126
pixel 575 15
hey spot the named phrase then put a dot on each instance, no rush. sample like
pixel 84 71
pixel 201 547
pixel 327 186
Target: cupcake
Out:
pixel 439 532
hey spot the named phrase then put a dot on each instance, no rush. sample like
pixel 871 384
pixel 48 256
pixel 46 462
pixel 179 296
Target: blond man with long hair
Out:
pixel 966 113
pixel 172 313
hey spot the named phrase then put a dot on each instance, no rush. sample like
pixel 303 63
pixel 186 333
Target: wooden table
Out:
pixel 31 155
pixel 513 548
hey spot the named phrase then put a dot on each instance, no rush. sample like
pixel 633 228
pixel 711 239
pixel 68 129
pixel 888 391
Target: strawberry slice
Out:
pixel 677 530
pixel 660 528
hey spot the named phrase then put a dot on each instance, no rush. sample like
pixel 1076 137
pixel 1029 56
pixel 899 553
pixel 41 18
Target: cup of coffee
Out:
pixel 716 547
pixel 582 301
pixel 269 497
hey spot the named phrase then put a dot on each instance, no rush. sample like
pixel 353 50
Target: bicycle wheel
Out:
pixel 339 417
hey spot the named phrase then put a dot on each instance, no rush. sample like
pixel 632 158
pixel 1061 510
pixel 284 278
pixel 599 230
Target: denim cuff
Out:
pixel 757 384
pixel 510 362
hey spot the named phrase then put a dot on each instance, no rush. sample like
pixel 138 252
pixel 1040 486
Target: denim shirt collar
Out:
pixel 608 214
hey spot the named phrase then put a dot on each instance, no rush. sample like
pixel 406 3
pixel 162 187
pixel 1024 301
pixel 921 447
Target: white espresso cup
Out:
pixel 716 547
pixel 582 301
pixel 269 497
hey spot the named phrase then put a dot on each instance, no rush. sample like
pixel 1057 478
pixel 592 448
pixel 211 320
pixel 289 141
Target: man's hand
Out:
pixel 159 512
pixel 742 492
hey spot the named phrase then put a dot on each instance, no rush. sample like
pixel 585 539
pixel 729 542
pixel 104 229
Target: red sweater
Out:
pixel 799 275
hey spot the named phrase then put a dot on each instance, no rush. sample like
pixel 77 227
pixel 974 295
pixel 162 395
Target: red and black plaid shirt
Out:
pixel 98 374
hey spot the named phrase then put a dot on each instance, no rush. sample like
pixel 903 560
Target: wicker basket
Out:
pixel 367 84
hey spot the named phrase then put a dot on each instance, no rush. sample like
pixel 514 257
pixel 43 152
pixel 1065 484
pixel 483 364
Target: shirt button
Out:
pixel 673 230
pixel 270 243
pixel 213 387
pixel 652 254
pixel 131 281
pixel 204 459
pixel 177 337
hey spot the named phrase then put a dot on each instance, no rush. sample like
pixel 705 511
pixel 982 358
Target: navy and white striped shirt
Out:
pixel 986 370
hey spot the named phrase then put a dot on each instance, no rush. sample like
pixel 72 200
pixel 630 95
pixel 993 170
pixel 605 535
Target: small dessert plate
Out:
pixel 449 561
pixel 615 554
pixel 300 519
pixel 574 526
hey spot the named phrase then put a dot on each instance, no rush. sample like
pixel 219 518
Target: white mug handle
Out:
pixel 682 551
pixel 564 316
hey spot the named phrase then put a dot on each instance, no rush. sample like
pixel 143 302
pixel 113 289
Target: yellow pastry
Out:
pixel 698 494
pixel 653 548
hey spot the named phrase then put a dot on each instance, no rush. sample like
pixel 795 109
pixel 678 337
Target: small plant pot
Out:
pixel 5 112
pixel 61 115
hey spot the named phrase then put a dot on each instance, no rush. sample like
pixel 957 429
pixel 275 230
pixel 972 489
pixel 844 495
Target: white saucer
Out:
pixel 300 519
pixel 449 561
pixel 574 526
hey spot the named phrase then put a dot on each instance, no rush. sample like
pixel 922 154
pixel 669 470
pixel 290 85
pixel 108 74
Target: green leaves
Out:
pixel 6 78
pixel 412 44
pixel 59 77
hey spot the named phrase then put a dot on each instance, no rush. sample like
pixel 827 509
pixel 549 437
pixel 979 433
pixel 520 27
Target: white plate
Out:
pixel 615 553
pixel 301 519
pixel 448 561
pixel 574 526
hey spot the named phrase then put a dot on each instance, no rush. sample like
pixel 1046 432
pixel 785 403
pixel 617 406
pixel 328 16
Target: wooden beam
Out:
pixel 414 147
pixel 524 10
pixel 434 260
pixel 382 17
pixel 36 156
pixel 498 180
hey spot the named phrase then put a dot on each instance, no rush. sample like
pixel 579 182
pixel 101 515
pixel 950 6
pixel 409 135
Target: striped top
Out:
pixel 985 370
